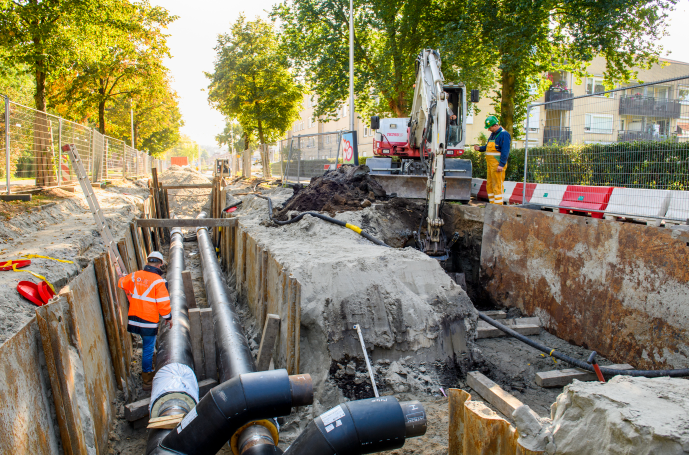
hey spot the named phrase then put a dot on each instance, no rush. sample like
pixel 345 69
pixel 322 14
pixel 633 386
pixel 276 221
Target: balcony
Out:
pixel 557 94
pixel 649 106
pixel 557 135
pixel 630 136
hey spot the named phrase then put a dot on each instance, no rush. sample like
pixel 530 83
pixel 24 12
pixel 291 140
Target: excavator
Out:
pixel 428 145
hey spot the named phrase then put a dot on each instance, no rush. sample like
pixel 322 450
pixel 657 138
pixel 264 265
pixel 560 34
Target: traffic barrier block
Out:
pixel 476 185
pixel 508 188
pixel 586 198
pixel 636 202
pixel 518 193
pixel 678 209
pixel 548 194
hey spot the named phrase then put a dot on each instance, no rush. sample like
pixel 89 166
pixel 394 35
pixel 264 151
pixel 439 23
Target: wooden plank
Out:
pixel 138 246
pixel 271 329
pixel 196 333
pixel 139 409
pixel 189 289
pixel 184 187
pixel 488 331
pixel 210 365
pixel 59 362
pixel 495 314
pixel 15 197
pixel 88 331
pixel 31 417
pixel 493 393
pixel 165 423
pixel 131 252
pixel 158 206
pixel 181 222
pixel 111 325
pixel 560 378
pixel 121 309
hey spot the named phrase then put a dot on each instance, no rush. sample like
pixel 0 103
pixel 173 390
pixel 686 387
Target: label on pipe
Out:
pixel 332 415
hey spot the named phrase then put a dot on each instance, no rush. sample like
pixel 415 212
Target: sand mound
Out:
pixel 338 191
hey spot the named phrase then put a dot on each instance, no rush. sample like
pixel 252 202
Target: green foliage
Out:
pixel 512 45
pixel 232 136
pixel 651 165
pixel 185 147
pixel 252 82
pixel 388 36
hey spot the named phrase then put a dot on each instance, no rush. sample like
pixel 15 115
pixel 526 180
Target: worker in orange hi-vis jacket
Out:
pixel 149 299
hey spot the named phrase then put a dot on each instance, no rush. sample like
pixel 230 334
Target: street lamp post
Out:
pixel 351 65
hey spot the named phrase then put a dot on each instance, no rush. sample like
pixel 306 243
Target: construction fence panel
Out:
pixel 307 156
pixel 31 146
pixel 621 153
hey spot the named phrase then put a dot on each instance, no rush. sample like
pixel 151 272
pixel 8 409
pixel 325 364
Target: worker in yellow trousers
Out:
pixel 497 152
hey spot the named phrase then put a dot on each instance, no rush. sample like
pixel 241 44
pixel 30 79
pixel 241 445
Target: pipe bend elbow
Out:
pixel 231 405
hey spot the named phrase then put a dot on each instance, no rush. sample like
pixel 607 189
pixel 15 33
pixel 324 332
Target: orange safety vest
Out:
pixel 149 299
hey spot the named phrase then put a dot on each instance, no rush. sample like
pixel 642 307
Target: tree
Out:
pixel 252 82
pixel 512 44
pixel 185 147
pixel 389 34
pixel 127 62
pixel 157 119
pixel 232 136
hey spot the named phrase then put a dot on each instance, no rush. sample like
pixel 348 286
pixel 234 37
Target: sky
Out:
pixel 194 35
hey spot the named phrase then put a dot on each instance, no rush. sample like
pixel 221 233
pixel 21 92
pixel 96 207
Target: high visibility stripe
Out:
pixel 147 325
pixel 492 154
pixel 168 316
pixel 150 288
pixel 151 299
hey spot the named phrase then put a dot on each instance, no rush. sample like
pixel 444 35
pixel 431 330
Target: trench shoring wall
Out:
pixel 621 289
pixel 60 372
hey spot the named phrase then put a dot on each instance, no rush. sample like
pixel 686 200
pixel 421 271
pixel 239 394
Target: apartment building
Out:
pixel 315 147
pixel 653 113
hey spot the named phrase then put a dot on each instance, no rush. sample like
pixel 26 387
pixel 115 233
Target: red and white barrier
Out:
pixel 678 209
pixel 548 194
pixel 586 198
pixel 476 185
pixel 635 202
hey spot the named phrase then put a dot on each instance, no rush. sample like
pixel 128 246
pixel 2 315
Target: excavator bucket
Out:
pixel 457 180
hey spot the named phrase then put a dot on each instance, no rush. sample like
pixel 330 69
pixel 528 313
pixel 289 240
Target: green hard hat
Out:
pixel 490 121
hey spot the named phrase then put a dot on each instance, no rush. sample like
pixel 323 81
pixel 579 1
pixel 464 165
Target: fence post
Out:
pixel 339 143
pixel 59 151
pixel 299 160
pixel 7 143
pixel 526 154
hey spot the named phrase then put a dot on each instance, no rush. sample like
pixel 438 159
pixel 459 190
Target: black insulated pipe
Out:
pixel 682 372
pixel 360 427
pixel 174 345
pixel 231 405
pixel 233 352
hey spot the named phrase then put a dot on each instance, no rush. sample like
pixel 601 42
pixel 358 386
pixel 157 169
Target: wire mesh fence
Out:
pixel 612 153
pixel 32 158
pixel 307 156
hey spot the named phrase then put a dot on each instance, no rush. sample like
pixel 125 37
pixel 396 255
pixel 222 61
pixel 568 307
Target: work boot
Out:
pixel 147 380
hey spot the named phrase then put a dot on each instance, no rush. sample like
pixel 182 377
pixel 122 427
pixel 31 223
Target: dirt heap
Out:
pixel 188 202
pixel 343 190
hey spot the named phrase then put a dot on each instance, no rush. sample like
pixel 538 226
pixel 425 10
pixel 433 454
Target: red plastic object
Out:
pixel 231 209
pixel 7 265
pixel 45 291
pixel 518 193
pixel 586 198
pixel 29 291
pixel 482 192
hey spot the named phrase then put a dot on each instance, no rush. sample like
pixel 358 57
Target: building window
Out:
pixel 470 117
pixel 310 122
pixel 598 123
pixel 683 94
pixel 594 85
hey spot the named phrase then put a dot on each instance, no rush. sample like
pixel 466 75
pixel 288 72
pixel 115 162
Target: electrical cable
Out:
pixel 356 229
pixel 579 363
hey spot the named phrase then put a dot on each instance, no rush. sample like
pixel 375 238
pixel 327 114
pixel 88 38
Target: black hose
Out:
pixel 356 229
pixel 579 363
pixel 234 204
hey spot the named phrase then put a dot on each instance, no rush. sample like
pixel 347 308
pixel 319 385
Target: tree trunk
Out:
pixel 43 157
pixel 265 160
pixel 101 117
pixel 246 159
pixel 507 102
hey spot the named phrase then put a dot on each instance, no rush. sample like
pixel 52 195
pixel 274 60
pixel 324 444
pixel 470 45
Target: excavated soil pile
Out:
pixel 346 189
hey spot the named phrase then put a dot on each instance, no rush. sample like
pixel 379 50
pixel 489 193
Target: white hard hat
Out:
pixel 156 255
